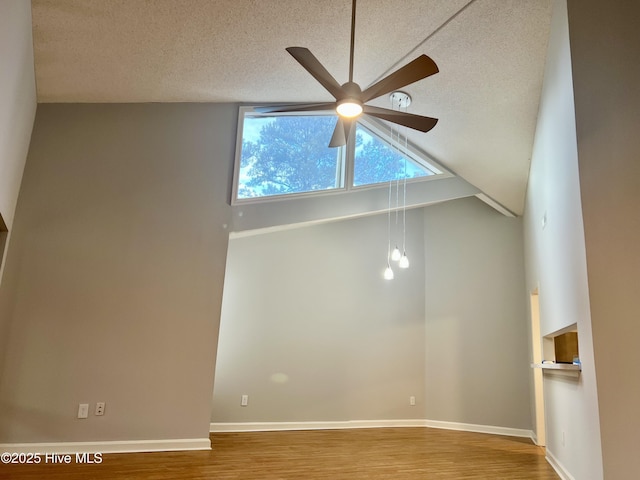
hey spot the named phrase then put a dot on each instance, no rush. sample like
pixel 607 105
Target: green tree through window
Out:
pixel 289 154
pixel 376 161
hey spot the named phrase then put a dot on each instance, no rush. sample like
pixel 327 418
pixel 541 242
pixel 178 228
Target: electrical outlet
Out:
pixel 100 408
pixel 83 410
pixel 412 401
pixel 244 400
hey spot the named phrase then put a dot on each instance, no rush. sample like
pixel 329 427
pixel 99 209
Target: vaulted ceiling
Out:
pixel 491 56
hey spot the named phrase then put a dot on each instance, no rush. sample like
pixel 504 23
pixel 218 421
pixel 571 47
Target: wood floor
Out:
pixel 389 453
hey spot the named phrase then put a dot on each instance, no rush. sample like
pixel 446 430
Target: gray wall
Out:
pixel 113 280
pixel 556 262
pixel 17 111
pixel 605 43
pixel 17 99
pixel 311 303
pixel 476 349
pixel 113 288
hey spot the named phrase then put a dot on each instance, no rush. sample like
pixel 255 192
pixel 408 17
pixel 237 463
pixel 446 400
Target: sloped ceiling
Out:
pixel 490 53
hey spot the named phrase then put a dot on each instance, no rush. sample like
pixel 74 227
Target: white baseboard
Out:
pixel 279 426
pixel 534 438
pixel 338 425
pixel 128 446
pixel 558 467
pixel 470 427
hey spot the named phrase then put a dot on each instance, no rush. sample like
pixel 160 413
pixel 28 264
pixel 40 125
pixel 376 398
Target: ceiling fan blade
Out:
pixel 421 67
pixel 347 123
pixel 417 122
pixel 341 133
pixel 312 65
pixel 296 107
pixel 338 138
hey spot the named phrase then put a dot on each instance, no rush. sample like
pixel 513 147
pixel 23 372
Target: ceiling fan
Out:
pixel 350 99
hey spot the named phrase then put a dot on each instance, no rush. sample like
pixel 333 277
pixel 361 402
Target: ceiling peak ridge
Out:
pixel 423 41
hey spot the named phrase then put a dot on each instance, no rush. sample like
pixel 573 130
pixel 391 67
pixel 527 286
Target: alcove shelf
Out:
pixel 567 367
pixel 559 351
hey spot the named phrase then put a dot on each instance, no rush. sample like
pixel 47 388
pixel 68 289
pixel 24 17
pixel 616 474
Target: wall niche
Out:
pixel 560 350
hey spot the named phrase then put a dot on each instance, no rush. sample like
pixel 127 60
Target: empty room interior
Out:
pixel 199 273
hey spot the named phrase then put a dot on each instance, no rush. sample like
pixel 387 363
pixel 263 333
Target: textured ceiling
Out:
pixel 490 53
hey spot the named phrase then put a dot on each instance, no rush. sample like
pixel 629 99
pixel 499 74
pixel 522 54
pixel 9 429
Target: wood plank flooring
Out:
pixel 372 454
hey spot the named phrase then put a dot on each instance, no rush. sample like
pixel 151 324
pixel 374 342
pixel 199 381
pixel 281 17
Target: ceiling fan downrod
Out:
pixel 353 39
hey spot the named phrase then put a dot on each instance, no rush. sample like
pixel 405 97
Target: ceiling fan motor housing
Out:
pixel 351 90
pixel 350 105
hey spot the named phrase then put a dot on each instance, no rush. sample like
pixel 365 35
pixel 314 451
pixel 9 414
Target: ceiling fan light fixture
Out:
pixel 349 108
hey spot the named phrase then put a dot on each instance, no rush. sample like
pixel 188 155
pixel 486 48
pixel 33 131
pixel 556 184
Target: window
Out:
pixel 287 153
pixel 284 154
pixel 376 161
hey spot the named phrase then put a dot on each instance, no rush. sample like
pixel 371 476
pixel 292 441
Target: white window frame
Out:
pixel 377 127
